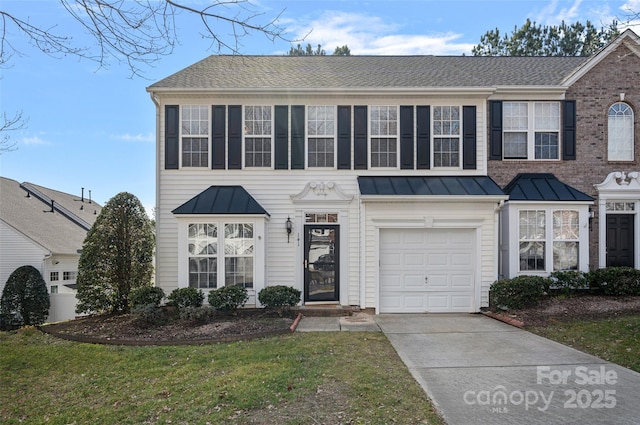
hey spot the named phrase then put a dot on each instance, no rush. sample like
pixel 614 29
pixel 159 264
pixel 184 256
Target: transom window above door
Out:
pixel 384 136
pixel 321 131
pixel 531 130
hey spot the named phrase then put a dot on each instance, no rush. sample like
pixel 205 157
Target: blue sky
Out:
pixel 94 127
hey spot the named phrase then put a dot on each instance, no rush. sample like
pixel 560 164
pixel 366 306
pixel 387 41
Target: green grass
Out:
pixel 340 377
pixel 614 339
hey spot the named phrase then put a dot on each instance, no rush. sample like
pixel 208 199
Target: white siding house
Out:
pixel 44 228
pixel 367 181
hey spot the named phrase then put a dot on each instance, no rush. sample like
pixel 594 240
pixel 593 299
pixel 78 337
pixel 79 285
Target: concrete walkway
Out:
pixel 478 370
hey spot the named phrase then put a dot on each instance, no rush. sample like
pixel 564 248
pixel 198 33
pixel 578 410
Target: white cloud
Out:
pixel 144 138
pixel 370 35
pixel 34 140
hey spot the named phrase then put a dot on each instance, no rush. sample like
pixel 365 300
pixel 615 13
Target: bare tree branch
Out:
pixel 8 125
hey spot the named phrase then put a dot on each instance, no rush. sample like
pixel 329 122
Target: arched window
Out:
pixel 620 132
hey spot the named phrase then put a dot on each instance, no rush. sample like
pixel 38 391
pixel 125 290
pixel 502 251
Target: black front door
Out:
pixel 620 240
pixel 321 262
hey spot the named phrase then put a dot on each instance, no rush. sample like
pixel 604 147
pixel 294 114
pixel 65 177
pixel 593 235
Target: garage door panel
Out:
pixel 444 256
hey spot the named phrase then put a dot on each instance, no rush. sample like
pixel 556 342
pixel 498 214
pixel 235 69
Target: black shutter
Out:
pixel 235 137
pixel 219 132
pixel 423 137
pixel 281 137
pixel 495 129
pixel 171 137
pixel 406 137
pixel 569 130
pixel 297 137
pixel 360 151
pixel 469 137
pixel 344 137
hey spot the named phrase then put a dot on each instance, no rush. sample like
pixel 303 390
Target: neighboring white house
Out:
pixel 380 181
pixel 44 228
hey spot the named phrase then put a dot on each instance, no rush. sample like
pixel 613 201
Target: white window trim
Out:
pixel 371 137
pixel 632 116
pixel 259 253
pixel 271 136
pixel 208 136
pixel 434 136
pixel 513 253
pixel 307 137
pixel 531 132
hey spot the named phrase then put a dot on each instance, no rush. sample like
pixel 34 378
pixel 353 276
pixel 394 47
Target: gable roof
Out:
pixel 628 37
pixel 542 187
pixel 429 186
pixel 62 231
pixel 222 200
pixel 327 73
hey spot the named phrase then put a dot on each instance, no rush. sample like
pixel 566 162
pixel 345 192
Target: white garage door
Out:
pixel 427 270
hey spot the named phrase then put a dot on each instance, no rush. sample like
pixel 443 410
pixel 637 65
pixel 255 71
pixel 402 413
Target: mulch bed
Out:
pixel 127 329
pixel 583 307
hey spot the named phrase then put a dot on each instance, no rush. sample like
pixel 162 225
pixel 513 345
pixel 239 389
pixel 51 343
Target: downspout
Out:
pixel 156 102
pixel 498 236
pixel 362 256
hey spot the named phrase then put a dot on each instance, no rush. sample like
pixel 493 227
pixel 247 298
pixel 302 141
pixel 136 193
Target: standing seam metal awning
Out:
pixel 222 200
pixel 429 186
pixel 542 187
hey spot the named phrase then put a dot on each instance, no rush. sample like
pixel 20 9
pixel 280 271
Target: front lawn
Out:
pixel 615 339
pixel 330 378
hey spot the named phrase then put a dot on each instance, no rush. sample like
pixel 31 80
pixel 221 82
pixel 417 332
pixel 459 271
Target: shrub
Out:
pixel 278 296
pixel 197 314
pixel 146 295
pixel 149 313
pixel 228 298
pixel 569 282
pixel 615 281
pixel 186 297
pixel 25 298
pixel 519 292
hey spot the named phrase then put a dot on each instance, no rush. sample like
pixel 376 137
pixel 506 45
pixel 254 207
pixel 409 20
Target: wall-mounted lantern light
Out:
pixel 289 225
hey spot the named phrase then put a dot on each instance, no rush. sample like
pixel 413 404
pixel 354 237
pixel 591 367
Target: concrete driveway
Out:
pixel 478 370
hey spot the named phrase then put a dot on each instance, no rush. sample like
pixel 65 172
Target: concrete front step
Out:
pixel 324 310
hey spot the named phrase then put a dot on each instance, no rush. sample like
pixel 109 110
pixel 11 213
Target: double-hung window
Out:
pixel 321 131
pixel 195 135
pixel 531 130
pixel 236 257
pixel 620 132
pixel 384 136
pixel 257 136
pixel 446 136
pixel 549 246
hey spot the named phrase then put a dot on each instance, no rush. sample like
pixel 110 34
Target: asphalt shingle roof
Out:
pixel 222 200
pixel 542 187
pixel 429 186
pixel 367 72
pixel 61 232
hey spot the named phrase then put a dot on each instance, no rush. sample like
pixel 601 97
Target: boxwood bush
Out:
pixel 146 295
pixel 25 298
pixel 279 296
pixel 615 281
pixel 569 282
pixel 186 297
pixel 228 298
pixel 519 292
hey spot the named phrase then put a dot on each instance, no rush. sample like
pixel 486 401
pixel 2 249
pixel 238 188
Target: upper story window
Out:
pixel 620 132
pixel 531 130
pixel 446 136
pixel 321 131
pixel 53 276
pixel 195 135
pixel 69 275
pixel 257 136
pixel 384 136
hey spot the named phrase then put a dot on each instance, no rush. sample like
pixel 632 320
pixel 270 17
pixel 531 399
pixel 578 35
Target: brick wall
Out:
pixel 617 73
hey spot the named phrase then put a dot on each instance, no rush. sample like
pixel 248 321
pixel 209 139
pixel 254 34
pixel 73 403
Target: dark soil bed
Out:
pixel 583 307
pixel 127 329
